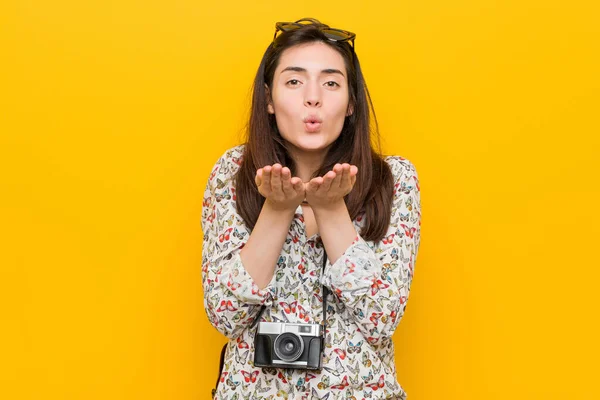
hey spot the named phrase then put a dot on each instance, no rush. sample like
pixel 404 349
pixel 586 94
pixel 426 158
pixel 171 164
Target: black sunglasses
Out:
pixel 336 35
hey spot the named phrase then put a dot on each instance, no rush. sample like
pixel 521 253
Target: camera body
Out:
pixel 288 345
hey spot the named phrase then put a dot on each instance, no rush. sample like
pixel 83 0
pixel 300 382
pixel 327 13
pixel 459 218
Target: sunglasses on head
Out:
pixel 333 34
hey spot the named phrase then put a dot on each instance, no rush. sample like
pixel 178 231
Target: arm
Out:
pixel 236 285
pixel 374 284
pixel 264 245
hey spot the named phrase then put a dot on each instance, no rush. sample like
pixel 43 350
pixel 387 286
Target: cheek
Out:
pixel 286 106
pixel 285 114
pixel 342 105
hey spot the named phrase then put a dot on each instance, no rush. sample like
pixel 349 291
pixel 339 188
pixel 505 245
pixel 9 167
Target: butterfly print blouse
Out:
pixel 369 287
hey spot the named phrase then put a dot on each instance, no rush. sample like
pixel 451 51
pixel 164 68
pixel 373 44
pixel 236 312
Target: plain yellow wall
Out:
pixel 112 114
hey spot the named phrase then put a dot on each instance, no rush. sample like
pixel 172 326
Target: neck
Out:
pixel 307 163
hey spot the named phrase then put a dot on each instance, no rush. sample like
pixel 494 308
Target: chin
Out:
pixel 311 143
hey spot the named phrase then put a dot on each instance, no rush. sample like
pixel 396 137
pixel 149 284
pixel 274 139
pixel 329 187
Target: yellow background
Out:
pixel 112 114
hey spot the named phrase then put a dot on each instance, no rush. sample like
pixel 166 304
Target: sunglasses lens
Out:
pixel 335 35
pixel 289 26
pixel 331 33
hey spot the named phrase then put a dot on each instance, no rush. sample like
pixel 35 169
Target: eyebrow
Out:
pixel 324 71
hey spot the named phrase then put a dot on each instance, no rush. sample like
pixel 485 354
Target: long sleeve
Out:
pixel 374 283
pixel 231 297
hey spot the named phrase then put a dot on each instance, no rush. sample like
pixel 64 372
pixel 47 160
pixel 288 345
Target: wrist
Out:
pixel 281 210
pixel 331 208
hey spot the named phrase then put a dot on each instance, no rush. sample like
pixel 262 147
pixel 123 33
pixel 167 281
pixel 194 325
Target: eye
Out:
pixel 334 84
pixel 293 80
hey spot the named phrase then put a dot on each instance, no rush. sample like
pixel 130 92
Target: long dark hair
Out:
pixel 372 193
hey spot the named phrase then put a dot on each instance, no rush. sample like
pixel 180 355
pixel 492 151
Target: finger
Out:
pixel 298 185
pixel 258 177
pixel 276 178
pixel 314 184
pixel 328 180
pixel 286 182
pixel 353 174
pixel 346 183
pixel 266 177
pixel 339 170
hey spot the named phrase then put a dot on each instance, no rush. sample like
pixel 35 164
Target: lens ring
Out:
pixel 288 346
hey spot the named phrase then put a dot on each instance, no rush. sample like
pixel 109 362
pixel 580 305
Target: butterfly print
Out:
pixel 339 368
pixel 233 286
pixel 238 234
pixel 342 385
pixel 408 231
pixel 302 268
pixel 226 305
pixel 366 361
pixel 315 395
pixel 241 356
pixel 354 369
pixel 378 385
pixel 389 239
pixel 250 377
pixel 374 318
pixel 282 377
pixel 350 267
pixel 364 306
pixel 355 348
pixel 324 382
pixel 288 308
pixel 291 286
pixel 341 353
pixel 241 343
pixel 225 236
pixel 230 382
pixel 303 314
pixel 377 286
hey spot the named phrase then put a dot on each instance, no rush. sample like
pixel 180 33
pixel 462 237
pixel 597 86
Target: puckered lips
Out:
pixel 312 123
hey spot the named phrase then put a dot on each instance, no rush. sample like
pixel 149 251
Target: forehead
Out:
pixel 314 57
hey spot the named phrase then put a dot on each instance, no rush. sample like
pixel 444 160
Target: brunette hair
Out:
pixel 373 191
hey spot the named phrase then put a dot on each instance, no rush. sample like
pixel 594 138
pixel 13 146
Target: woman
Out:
pixel 306 189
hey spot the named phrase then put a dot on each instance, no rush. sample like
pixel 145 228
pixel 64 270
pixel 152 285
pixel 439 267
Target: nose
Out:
pixel 312 96
pixel 312 103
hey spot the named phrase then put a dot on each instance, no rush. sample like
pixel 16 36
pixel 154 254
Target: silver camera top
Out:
pixel 276 328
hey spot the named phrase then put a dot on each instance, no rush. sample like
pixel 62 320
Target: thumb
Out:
pixel 313 185
pixel 298 185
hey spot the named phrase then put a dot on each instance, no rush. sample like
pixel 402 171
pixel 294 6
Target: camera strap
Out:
pixel 324 292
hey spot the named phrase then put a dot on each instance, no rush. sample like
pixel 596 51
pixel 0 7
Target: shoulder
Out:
pixel 402 168
pixel 232 155
pixel 228 162
pixel 225 168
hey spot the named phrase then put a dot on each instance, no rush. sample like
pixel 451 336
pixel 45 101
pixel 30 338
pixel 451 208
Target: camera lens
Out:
pixel 288 346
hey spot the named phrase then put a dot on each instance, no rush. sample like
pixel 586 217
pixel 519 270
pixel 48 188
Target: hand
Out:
pixel 281 190
pixel 327 191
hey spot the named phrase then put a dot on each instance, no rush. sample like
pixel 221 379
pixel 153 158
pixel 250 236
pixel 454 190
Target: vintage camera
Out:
pixel 288 345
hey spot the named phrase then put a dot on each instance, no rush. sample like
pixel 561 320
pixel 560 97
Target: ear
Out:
pixel 270 108
pixel 350 110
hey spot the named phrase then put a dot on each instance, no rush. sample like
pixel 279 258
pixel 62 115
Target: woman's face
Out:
pixel 310 96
